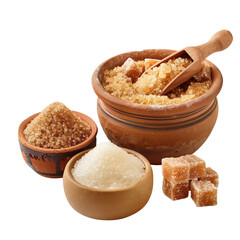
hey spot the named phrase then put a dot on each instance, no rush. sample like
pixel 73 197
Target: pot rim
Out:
pixel 143 109
pixel 83 144
pixel 68 174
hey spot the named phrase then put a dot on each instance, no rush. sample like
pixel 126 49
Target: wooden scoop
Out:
pixel 219 41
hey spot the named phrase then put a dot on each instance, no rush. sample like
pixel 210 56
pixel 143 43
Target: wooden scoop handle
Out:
pixel 219 41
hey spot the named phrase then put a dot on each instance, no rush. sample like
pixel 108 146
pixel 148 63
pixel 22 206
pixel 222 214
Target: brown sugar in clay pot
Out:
pixel 108 204
pixel 51 162
pixel 156 131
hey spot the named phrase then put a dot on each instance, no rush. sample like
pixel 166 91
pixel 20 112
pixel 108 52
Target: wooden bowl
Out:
pixel 51 162
pixel 108 204
pixel 156 131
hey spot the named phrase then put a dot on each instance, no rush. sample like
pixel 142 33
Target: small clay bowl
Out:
pixel 108 204
pixel 51 162
pixel 156 131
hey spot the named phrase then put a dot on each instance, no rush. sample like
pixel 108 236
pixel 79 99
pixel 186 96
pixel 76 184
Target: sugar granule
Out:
pixel 56 127
pixel 157 78
pixel 108 166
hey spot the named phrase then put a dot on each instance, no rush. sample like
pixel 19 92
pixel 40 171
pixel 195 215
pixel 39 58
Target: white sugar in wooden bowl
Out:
pixel 108 182
pixel 108 166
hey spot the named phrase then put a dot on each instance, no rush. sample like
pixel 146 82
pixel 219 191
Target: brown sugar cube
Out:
pixel 131 69
pixel 190 183
pixel 150 62
pixel 175 191
pixel 197 166
pixel 211 176
pixel 203 193
pixel 175 170
pixel 205 73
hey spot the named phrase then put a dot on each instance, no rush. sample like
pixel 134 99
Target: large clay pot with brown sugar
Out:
pixel 156 131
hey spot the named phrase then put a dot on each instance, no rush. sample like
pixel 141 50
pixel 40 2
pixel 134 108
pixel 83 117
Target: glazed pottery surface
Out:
pixel 51 162
pixel 108 204
pixel 156 131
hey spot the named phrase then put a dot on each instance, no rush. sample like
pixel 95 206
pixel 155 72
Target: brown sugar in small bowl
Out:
pixel 156 131
pixel 108 204
pixel 51 162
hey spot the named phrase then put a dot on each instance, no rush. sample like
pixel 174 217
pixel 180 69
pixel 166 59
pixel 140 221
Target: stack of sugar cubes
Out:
pixel 189 173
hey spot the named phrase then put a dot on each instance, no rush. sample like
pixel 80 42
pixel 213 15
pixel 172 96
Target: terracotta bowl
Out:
pixel 51 162
pixel 108 204
pixel 156 131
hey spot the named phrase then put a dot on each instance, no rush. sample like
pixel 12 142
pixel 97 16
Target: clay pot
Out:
pixel 108 204
pixel 51 162
pixel 153 130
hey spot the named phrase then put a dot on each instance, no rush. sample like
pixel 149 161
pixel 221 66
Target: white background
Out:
pixel 48 52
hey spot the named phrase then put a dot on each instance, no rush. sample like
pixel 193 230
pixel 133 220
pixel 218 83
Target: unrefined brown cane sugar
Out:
pixel 175 191
pixel 56 127
pixel 132 69
pixel 128 82
pixel 203 193
pixel 181 174
pixel 150 62
pixel 175 170
pixel 197 166
pixel 157 78
pixel 211 176
pixel 189 188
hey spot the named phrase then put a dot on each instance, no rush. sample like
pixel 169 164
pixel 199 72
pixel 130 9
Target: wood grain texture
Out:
pixel 219 41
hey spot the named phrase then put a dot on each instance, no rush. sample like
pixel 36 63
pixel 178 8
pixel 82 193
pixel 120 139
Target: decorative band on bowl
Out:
pixel 57 160
pixel 179 121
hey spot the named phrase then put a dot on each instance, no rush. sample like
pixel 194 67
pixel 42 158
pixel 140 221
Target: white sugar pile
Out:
pixel 108 166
